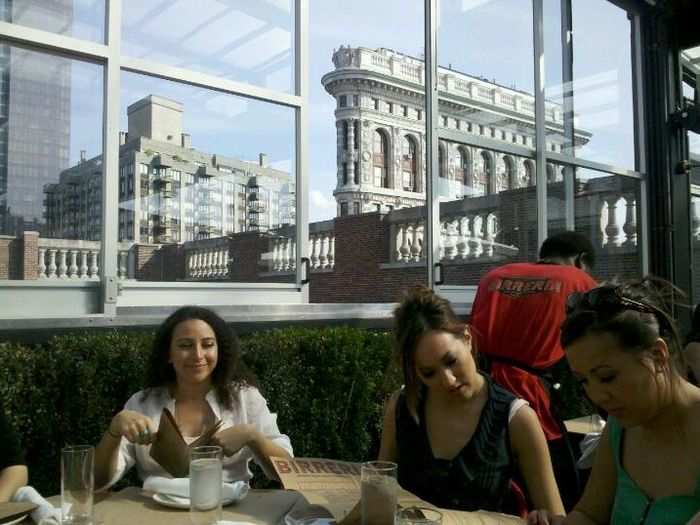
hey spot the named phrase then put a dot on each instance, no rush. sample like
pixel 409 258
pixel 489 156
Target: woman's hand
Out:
pixel 233 439
pixel 543 517
pixel 134 426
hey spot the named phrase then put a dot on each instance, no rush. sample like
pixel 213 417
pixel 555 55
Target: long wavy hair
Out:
pixel 230 373
pixel 421 311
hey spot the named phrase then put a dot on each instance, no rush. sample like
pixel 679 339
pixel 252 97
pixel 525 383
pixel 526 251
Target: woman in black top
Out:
pixel 457 437
pixel 13 470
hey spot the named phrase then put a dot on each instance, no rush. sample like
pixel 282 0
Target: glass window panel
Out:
pixel 607 210
pixel 694 143
pixel 76 18
pixel 367 160
pixel 212 180
pixel 486 72
pixel 250 42
pixel 603 101
pixel 50 166
pixel 488 212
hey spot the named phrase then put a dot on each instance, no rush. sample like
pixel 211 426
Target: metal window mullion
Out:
pixel 593 165
pixel 432 219
pixel 212 82
pixel 110 160
pixel 640 142
pixel 65 45
pixel 477 141
pixel 302 72
pixel 540 146
pixel 567 56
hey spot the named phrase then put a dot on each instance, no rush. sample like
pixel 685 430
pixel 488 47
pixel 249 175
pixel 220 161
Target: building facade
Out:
pixel 380 121
pixel 35 113
pixel 169 192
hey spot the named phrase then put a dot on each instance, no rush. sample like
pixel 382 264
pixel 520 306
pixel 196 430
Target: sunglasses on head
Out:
pixel 605 298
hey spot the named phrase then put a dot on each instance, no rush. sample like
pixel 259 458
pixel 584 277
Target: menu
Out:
pixel 336 486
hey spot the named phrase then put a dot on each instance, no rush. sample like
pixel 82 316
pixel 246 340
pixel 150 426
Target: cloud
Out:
pixel 321 201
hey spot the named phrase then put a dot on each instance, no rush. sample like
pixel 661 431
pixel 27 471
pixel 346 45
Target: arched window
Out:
pixel 380 148
pixel 409 164
pixel 485 186
pixel 529 173
pixel 464 167
pixel 442 161
pixel 508 179
pixel 345 135
pixel 357 134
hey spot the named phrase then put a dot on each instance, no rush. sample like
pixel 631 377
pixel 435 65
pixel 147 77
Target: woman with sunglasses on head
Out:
pixel 625 350
pixel 459 438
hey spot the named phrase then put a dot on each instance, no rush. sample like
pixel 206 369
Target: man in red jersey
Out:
pixel 516 320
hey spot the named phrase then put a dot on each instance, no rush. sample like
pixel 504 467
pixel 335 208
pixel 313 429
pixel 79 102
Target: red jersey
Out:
pixel 517 314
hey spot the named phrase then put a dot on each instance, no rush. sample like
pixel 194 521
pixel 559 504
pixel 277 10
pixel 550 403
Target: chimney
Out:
pixel 82 155
pixel 262 160
pixel 186 140
pixel 122 138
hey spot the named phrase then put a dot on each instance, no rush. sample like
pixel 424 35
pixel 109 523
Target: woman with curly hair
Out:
pixel 195 371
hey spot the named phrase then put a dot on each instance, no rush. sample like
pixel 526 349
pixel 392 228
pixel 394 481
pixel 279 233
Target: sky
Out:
pixel 251 41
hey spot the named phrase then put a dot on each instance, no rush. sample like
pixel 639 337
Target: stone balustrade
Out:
pixel 465 236
pixel 207 259
pixel 76 259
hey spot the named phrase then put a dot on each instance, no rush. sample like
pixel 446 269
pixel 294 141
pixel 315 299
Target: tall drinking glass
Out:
pixel 77 485
pixel 379 492
pixel 419 516
pixel 205 485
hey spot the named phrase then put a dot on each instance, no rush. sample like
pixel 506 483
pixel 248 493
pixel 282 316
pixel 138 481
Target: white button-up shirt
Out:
pixel 250 409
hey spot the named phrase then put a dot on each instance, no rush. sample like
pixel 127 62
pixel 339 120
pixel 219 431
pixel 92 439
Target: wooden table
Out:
pixel 132 506
pixel 260 507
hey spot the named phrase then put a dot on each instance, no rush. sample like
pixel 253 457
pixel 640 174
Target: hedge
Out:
pixel 326 385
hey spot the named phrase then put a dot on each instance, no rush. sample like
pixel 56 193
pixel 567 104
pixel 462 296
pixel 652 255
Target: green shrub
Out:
pixel 327 386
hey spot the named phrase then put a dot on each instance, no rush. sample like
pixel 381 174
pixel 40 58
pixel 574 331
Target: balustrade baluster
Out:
pixel 612 230
pixel 416 245
pixel 73 269
pixel 331 251
pixel 42 263
pixel 630 226
pixel 94 268
pixel 323 247
pixel 314 254
pixel 62 267
pixel 83 264
pixel 52 264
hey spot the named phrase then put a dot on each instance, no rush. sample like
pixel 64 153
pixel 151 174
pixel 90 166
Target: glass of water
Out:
pixel 379 492
pixel 419 516
pixel 205 485
pixel 77 485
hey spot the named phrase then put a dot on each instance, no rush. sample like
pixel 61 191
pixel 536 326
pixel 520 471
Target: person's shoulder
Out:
pixel 142 398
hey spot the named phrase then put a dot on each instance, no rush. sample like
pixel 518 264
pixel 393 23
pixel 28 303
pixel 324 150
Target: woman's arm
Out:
pixel 530 449
pixel 595 506
pixel 133 426
pixel 12 478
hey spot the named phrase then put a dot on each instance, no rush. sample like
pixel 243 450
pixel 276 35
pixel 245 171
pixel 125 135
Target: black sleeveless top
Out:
pixel 478 477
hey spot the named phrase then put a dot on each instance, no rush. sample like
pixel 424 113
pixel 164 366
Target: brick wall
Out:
pixel 30 256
